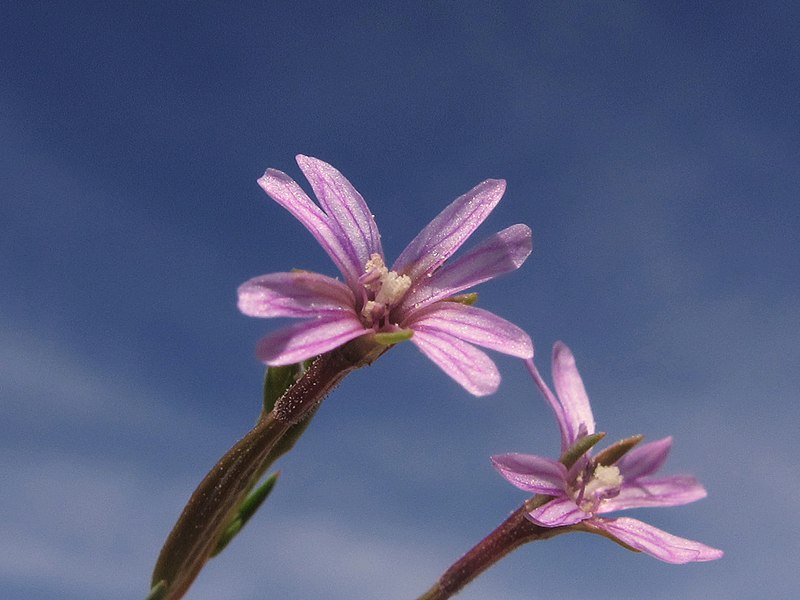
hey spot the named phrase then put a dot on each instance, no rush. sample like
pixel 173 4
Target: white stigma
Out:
pixel 604 478
pixel 393 288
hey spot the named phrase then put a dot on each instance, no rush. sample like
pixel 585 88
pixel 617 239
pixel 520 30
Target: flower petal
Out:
pixel 307 339
pixel 345 207
pixel 449 230
pixel 474 325
pixel 285 191
pixel 668 491
pixel 554 404
pixel 645 459
pixel 532 473
pixel 297 294
pixel 558 512
pixel 571 392
pixel 656 542
pixel 500 253
pixel 463 362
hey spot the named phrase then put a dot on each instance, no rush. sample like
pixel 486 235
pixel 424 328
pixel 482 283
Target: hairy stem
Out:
pixel 194 537
pixel 512 533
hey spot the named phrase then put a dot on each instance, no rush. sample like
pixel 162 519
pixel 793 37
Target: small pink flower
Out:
pixel 590 489
pixel 410 298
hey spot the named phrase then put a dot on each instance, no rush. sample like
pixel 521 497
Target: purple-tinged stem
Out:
pixel 194 537
pixel 512 533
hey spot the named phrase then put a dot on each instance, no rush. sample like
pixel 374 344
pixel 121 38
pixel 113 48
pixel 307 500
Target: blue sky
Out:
pixel 654 150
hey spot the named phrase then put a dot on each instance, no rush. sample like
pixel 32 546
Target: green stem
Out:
pixel 512 533
pixel 197 532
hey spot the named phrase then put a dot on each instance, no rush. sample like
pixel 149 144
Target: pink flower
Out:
pixel 591 488
pixel 409 300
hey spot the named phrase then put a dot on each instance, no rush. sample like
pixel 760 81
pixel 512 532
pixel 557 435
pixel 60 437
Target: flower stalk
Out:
pixel 512 533
pixel 217 500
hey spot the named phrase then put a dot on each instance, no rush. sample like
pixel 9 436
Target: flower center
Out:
pixel 383 289
pixel 605 482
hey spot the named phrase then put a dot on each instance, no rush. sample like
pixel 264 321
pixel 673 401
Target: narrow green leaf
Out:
pixel 158 590
pixel 217 499
pixel 248 508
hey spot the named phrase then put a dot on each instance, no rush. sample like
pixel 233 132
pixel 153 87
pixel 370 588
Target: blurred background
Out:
pixel 654 150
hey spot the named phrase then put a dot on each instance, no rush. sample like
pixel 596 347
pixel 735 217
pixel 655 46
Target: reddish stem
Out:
pixel 512 533
pixel 194 537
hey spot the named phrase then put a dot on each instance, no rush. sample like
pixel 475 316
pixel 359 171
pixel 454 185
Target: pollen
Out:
pixel 374 272
pixel 393 288
pixel 389 287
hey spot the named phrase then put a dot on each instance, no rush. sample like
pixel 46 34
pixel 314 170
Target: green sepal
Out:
pixel 247 509
pixel 579 448
pixel 468 299
pixel 568 459
pixel 617 450
pixel 393 337
pixel 157 591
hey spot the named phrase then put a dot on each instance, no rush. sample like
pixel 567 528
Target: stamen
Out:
pixel 393 288
pixel 374 272
pixel 388 287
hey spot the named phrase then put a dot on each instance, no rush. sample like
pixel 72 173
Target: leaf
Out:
pixel 246 510
pixel 158 590
pixel 220 495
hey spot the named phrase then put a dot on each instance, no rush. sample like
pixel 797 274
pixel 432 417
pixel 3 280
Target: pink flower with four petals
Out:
pixel 590 489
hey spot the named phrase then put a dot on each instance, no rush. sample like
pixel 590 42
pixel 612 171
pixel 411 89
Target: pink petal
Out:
pixel 571 392
pixel 473 325
pixel 449 230
pixel 501 253
pixel 346 207
pixel 557 513
pixel 297 294
pixel 532 473
pixel 669 491
pixel 645 459
pixel 285 191
pixel 553 402
pixel 655 542
pixel 307 339
pixel 463 362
